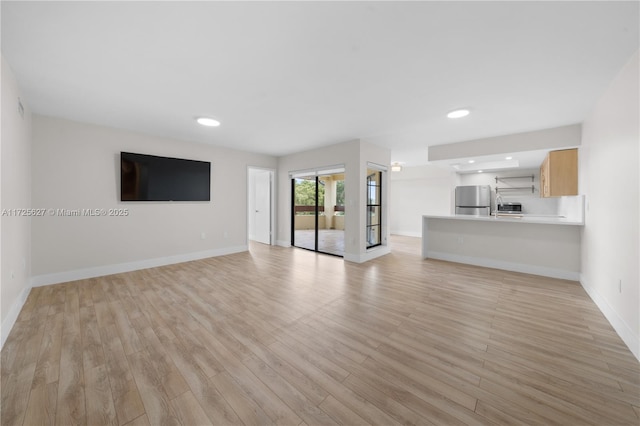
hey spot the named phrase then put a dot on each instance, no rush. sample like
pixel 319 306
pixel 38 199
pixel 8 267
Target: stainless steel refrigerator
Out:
pixel 473 200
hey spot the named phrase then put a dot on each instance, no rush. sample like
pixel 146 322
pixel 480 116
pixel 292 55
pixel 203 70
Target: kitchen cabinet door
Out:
pixel 559 173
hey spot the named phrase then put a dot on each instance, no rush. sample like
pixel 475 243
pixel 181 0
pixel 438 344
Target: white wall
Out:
pixel 15 154
pixel 416 191
pixel 609 177
pixel 76 166
pixel 354 155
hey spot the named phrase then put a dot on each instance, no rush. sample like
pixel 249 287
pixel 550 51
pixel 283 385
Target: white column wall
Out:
pixel 15 178
pixel 609 164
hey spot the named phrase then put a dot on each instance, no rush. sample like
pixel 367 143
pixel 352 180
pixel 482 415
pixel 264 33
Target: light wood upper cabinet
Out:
pixel 559 173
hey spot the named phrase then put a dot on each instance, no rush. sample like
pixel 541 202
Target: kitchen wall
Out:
pixel 76 166
pixel 15 193
pixel 429 190
pixel 416 191
pixel 609 164
pixel 531 201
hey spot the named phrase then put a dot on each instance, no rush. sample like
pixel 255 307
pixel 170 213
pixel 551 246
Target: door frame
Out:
pixel 272 201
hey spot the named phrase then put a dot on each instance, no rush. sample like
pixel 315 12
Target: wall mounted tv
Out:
pixel 151 178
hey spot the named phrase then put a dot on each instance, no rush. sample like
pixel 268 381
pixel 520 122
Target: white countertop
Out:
pixel 540 219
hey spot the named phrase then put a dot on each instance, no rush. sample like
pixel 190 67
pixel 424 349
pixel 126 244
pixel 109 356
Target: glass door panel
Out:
pixel 374 208
pixel 331 219
pixel 304 218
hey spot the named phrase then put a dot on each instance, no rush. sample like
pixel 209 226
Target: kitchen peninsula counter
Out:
pixel 524 218
pixel 535 244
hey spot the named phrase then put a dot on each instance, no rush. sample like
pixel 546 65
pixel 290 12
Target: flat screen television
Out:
pixel 151 178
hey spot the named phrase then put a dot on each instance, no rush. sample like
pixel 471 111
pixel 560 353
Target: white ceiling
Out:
pixel 284 77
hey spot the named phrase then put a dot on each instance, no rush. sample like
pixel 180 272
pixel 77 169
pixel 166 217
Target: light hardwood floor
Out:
pixel 287 336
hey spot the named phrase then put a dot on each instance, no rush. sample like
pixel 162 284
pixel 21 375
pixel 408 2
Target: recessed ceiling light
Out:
pixel 471 161
pixel 206 121
pixel 508 158
pixel 458 113
pixel 480 171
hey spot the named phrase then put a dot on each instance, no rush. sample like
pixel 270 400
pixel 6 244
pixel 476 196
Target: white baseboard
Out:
pixel 369 255
pixel 619 325
pixel 12 316
pixel 507 266
pixel 408 233
pixel 99 271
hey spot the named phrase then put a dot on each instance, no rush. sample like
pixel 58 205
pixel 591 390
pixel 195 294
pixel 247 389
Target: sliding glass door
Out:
pixel 318 212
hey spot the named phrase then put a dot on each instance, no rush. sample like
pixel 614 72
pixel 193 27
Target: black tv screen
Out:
pixel 151 178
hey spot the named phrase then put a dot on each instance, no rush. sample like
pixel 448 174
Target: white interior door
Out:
pixel 262 206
